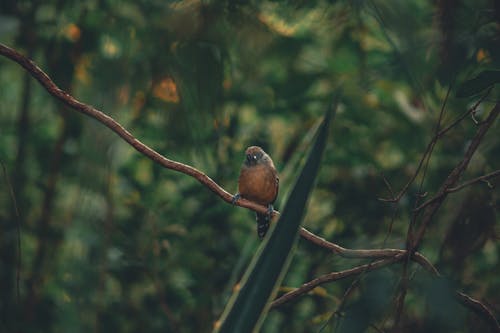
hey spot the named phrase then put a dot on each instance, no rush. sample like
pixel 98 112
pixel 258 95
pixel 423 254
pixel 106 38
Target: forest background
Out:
pixel 96 237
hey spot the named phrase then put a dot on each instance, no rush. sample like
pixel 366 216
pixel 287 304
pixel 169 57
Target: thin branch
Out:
pixel 457 188
pixel 403 287
pixel 455 174
pixel 480 309
pixel 334 276
pixel 340 307
pixel 395 208
pixel 113 125
pixel 439 134
pixel 470 111
pixel 365 254
pixel 388 185
pixel 389 256
pixel 448 185
pixel 476 306
pixel 473 181
pixel 412 179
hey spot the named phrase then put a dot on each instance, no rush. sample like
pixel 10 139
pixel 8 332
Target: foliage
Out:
pixel 111 241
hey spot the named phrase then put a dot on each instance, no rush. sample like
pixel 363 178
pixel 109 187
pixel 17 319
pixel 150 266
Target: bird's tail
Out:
pixel 263 221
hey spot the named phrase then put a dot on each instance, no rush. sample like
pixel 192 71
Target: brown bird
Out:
pixel 258 182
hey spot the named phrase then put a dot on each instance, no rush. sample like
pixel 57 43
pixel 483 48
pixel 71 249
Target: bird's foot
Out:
pixel 236 197
pixel 270 210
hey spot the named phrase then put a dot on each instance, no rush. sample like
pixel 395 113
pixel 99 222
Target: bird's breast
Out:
pixel 258 183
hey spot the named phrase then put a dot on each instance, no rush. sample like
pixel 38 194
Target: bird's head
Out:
pixel 254 156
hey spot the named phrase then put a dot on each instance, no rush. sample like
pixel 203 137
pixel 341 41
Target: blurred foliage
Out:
pixel 110 241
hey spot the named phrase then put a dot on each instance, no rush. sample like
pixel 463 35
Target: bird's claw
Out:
pixel 236 197
pixel 270 210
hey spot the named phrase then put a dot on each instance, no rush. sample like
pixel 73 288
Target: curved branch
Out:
pixel 457 188
pixel 366 254
pixel 480 309
pixel 334 276
pixel 387 257
pixel 113 125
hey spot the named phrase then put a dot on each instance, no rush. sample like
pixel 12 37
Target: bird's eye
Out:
pixel 252 158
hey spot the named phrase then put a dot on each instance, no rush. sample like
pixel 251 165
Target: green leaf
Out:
pixel 246 309
pixel 481 82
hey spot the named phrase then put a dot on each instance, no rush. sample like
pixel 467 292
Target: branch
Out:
pixel 431 144
pixel 473 181
pixel 493 174
pixel 471 111
pixel 334 276
pixel 387 257
pixel 109 122
pixel 480 309
pixel 475 306
pixel 365 254
pixel 455 175
pixel 113 125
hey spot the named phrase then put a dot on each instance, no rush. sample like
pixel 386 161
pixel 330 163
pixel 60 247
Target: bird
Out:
pixel 258 182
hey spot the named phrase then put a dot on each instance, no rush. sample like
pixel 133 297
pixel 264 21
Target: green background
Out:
pixel 110 241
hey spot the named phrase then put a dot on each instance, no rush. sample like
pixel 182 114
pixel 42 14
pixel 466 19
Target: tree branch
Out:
pixel 365 254
pixel 113 125
pixel 386 257
pixel 457 188
pixel 480 309
pixel 455 175
pixel 334 276
pixel 431 144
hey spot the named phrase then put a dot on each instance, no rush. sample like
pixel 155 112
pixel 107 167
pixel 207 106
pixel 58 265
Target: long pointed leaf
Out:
pixel 246 309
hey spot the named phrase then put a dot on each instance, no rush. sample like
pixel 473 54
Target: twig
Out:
pixel 341 305
pixel 113 125
pixel 395 208
pixel 348 253
pixel 365 254
pixel 476 306
pixel 480 309
pixel 334 276
pixel 472 110
pixel 412 179
pixel 455 175
pixel 457 188
pixel 404 284
pixel 473 181
pixel 439 134
pixel 390 256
